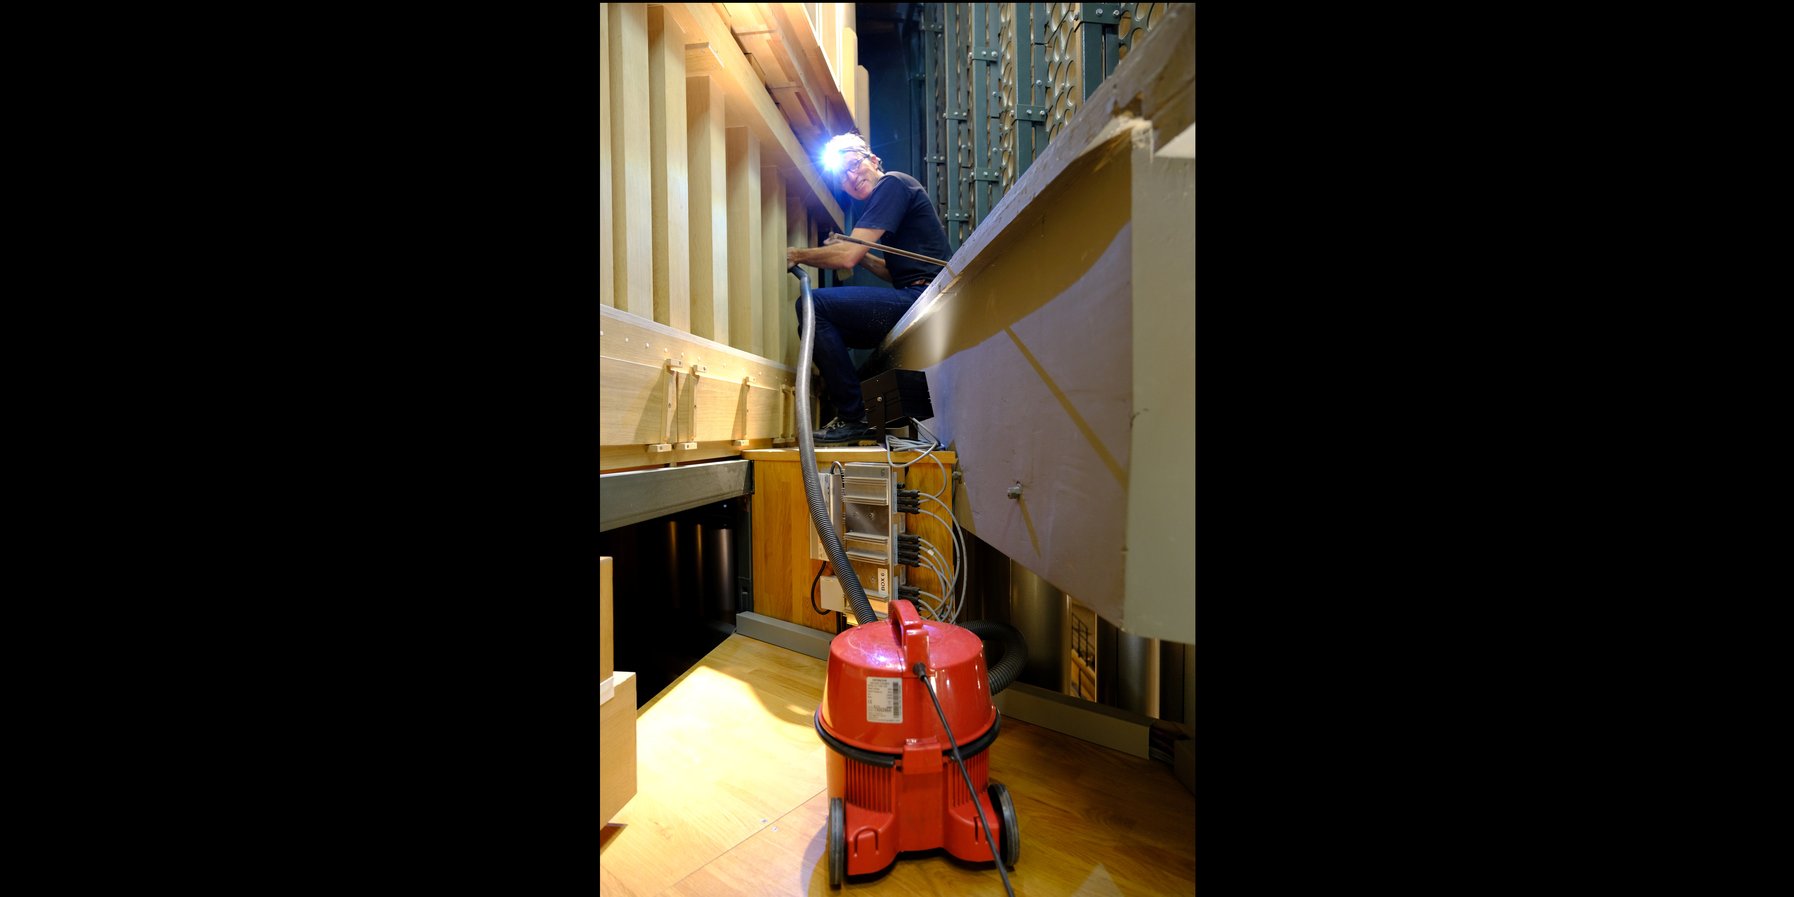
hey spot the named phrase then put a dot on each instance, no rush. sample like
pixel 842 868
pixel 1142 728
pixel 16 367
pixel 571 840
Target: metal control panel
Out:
pixel 861 499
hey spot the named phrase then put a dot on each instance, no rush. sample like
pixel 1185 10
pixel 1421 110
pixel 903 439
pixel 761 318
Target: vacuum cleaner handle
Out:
pixel 911 637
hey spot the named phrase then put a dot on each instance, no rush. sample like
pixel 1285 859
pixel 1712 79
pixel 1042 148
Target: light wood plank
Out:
pixel 607 271
pixel 817 85
pixel 606 635
pixel 672 211
pixel 632 229
pixel 772 265
pixel 713 404
pixel 706 141
pixel 746 329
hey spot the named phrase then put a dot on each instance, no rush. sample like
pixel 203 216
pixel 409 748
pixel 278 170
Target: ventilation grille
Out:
pixel 870 786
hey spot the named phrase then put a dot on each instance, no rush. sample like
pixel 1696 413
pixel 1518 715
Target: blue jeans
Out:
pixel 852 318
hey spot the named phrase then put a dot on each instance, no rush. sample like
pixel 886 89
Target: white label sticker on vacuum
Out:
pixel 884 700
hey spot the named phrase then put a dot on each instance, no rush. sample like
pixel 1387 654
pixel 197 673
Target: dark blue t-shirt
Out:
pixel 900 207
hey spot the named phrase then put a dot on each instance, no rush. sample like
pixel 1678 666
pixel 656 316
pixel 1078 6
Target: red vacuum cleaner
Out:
pixel 907 715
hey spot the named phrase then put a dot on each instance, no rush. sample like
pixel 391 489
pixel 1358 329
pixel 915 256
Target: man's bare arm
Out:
pixel 877 266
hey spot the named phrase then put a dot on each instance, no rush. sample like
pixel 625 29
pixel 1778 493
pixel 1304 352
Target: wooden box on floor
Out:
pixel 616 748
pixel 616 713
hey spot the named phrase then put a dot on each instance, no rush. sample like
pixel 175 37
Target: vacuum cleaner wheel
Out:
pixel 1009 841
pixel 837 842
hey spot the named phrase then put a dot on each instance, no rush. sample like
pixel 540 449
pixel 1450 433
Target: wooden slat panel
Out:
pixel 826 104
pixel 706 141
pixel 746 331
pixel 749 99
pixel 607 271
pixel 772 264
pixel 633 383
pixel 634 397
pixel 672 213
pixel 632 222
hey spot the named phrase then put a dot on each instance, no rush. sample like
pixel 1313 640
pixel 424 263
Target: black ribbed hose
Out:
pixel 806 447
pixel 1011 651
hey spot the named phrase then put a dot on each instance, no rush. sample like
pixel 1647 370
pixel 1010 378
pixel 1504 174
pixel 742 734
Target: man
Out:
pixel 895 211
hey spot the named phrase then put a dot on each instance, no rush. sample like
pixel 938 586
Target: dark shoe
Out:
pixel 837 431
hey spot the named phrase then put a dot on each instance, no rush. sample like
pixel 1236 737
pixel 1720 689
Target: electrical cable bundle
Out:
pixel 918 552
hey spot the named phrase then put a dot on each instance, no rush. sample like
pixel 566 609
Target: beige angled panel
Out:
pixel 1161 506
pixel 666 93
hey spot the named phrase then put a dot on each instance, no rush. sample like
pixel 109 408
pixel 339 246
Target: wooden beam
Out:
pixel 607 270
pixel 746 330
pixel 798 37
pixel 708 237
pixel 720 394
pixel 746 93
pixel 672 212
pixel 772 265
pixel 700 59
pixel 632 222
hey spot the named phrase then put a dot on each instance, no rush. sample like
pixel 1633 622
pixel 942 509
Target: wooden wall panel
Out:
pixel 746 331
pixel 632 222
pixel 671 210
pixel 733 394
pixel 607 271
pixel 772 265
pixel 706 142
pixel 783 569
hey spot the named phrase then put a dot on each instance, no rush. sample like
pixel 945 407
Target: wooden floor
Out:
pixel 732 800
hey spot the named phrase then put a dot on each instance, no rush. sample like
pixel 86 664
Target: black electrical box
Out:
pixel 894 397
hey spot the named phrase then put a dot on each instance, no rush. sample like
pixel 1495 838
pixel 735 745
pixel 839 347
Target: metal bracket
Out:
pixel 990 55
pixel 1025 113
pixel 1100 13
pixel 951 114
pixel 957 216
pixel 984 176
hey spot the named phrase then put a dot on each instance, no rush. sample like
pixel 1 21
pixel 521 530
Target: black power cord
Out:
pixel 921 672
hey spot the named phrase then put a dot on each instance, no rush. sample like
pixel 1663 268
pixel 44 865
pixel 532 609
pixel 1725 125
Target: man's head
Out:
pixel 856 169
